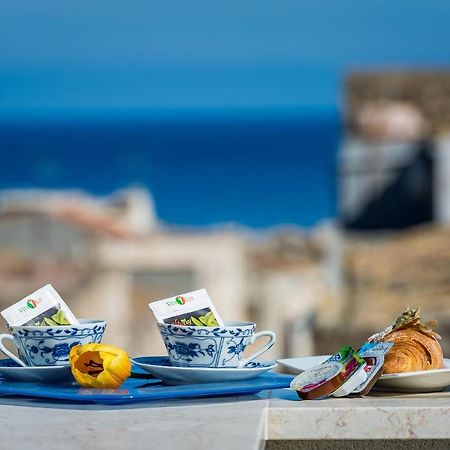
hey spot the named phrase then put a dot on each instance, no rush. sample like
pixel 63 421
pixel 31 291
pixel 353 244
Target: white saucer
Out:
pixel 43 374
pixel 422 381
pixel 161 367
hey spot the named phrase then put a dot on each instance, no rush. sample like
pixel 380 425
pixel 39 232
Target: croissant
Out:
pixel 416 346
pixel 412 351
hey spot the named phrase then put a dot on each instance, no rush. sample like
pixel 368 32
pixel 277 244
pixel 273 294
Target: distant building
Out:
pixel 392 248
pixel 109 257
pixel 394 162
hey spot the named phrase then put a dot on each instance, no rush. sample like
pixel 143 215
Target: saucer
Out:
pixel 162 368
pixel 42 374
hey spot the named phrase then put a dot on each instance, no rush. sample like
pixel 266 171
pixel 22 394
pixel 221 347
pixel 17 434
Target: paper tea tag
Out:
pixel 191 309
pixel 43 307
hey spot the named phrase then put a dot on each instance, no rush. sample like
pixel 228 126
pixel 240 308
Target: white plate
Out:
pixel 423 381
pixel 160 367
pixel 42 374
pixel 299 365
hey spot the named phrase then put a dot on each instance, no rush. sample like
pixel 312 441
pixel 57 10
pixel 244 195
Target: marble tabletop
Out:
pixel 236 423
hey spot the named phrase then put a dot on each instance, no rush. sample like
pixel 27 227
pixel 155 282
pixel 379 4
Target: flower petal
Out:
pixel 99 365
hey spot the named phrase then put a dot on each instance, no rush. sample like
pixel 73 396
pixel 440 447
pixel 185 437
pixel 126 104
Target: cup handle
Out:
pixel 272 338
pixel 7 352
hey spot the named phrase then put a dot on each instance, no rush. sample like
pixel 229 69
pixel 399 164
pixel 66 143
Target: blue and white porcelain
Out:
pixel 50 346
pixel 10 370
pixel 161 367
pixel 212 347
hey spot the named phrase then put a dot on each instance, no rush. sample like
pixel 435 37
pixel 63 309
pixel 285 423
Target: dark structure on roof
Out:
pixel 388 164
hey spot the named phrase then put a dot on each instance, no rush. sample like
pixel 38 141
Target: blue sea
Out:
pixel 255 172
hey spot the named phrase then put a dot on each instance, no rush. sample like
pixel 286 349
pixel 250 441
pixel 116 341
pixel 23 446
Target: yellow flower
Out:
pixel 99 365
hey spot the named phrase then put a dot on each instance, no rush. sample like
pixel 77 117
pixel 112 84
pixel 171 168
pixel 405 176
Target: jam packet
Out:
pixel 353 373
pixel 319 381
pixel 336 376
pixel 373 353
pixel 190 309
pixel 43 307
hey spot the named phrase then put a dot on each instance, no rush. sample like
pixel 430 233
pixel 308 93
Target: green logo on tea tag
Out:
pixel 31 304
pixel 180 300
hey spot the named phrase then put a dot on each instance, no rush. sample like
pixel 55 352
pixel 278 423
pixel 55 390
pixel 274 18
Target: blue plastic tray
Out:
pixel 138 390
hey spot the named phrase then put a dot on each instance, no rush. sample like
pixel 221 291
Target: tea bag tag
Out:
pixel 191 309
pixel 44 307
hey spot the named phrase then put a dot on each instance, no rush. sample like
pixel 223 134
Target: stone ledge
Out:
pixel 383 416
pixel 381 444
pixel 382 421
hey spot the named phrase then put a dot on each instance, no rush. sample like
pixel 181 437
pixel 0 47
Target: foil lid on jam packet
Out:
pixel 43 307
pixel 373 353
pixel 319 381
pixel 337 376
pixel 190 309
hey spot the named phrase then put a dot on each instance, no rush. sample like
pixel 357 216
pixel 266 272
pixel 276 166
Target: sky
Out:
pixel 96 57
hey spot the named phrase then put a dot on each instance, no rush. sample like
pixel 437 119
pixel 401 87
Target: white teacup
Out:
pixel 212 346
pixel 50 346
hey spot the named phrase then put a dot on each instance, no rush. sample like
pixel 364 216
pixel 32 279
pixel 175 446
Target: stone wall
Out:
pixel 428 91
pixel 385 273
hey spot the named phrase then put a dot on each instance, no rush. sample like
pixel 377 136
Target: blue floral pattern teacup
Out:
pixel 212 346
pixel 50 346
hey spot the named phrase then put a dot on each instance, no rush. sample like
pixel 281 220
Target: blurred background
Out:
pixel 291 157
